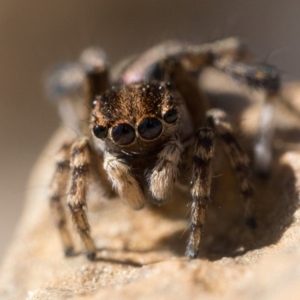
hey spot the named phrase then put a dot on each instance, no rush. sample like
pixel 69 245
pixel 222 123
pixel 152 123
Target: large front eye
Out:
pixel 171 116
pixel 100 131
pixel 123 134
pixel 150 128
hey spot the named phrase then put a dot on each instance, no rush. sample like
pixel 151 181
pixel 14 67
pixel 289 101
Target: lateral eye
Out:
pixel 123 134
pixel 100 131
pixel 171 116
pixel 150 128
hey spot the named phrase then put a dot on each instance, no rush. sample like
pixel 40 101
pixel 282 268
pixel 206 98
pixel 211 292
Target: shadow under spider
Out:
pixel 275 203
pixel 125 262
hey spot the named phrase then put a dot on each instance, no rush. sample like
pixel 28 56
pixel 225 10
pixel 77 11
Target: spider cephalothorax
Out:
pixel 151 127
pixel 136 118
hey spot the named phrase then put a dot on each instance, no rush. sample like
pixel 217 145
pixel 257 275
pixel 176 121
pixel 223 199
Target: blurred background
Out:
pixel 35 35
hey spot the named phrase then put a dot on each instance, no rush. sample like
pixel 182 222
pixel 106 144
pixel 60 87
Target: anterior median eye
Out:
pixel 171 116
pixel 123 134
pixel 100 131
pixel 150 128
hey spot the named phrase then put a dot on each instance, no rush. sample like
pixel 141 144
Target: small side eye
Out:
pixel 150 128
pixel 123 134
pixel 100 131
pixel 171 116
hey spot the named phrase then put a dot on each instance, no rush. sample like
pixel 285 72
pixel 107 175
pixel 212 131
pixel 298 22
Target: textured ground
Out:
pixel 141 254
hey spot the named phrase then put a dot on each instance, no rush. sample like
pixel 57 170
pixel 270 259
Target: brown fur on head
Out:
pixel 136 117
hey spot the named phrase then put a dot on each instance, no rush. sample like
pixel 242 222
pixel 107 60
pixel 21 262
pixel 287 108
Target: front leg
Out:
pixel 80 169
pixel 123 181
pixel 165 171
pixel 57 193
pixel 200 186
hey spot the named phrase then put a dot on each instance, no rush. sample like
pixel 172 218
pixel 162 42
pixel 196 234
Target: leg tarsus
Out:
pixel 69 251
pixel 91 256
pixel 191 253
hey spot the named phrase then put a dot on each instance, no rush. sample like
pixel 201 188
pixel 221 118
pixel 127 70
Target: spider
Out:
pixel 151 128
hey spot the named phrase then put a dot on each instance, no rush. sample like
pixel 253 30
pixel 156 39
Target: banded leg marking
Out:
pixel 58 191
pixel 80 165
pixel 201 186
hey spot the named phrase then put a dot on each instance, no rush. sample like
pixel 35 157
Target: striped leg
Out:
pixel 80 167
pixel 58 191
pixel 239 160
pixel 201 183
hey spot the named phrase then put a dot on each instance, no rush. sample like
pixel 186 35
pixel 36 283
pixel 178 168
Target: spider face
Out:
pixel 136 117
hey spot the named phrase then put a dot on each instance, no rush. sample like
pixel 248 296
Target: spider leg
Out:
pixel 216 124
pixel 94 62
pixel 123 181
pixel 200 186
pixel 80 167
pixel 74 86
pixel 58 191
pixel 263 152
pixel 239 160
pixel 147 67
pixel 65 88
pixel 265 77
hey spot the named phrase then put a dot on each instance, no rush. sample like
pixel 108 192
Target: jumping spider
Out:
pixel 150 127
